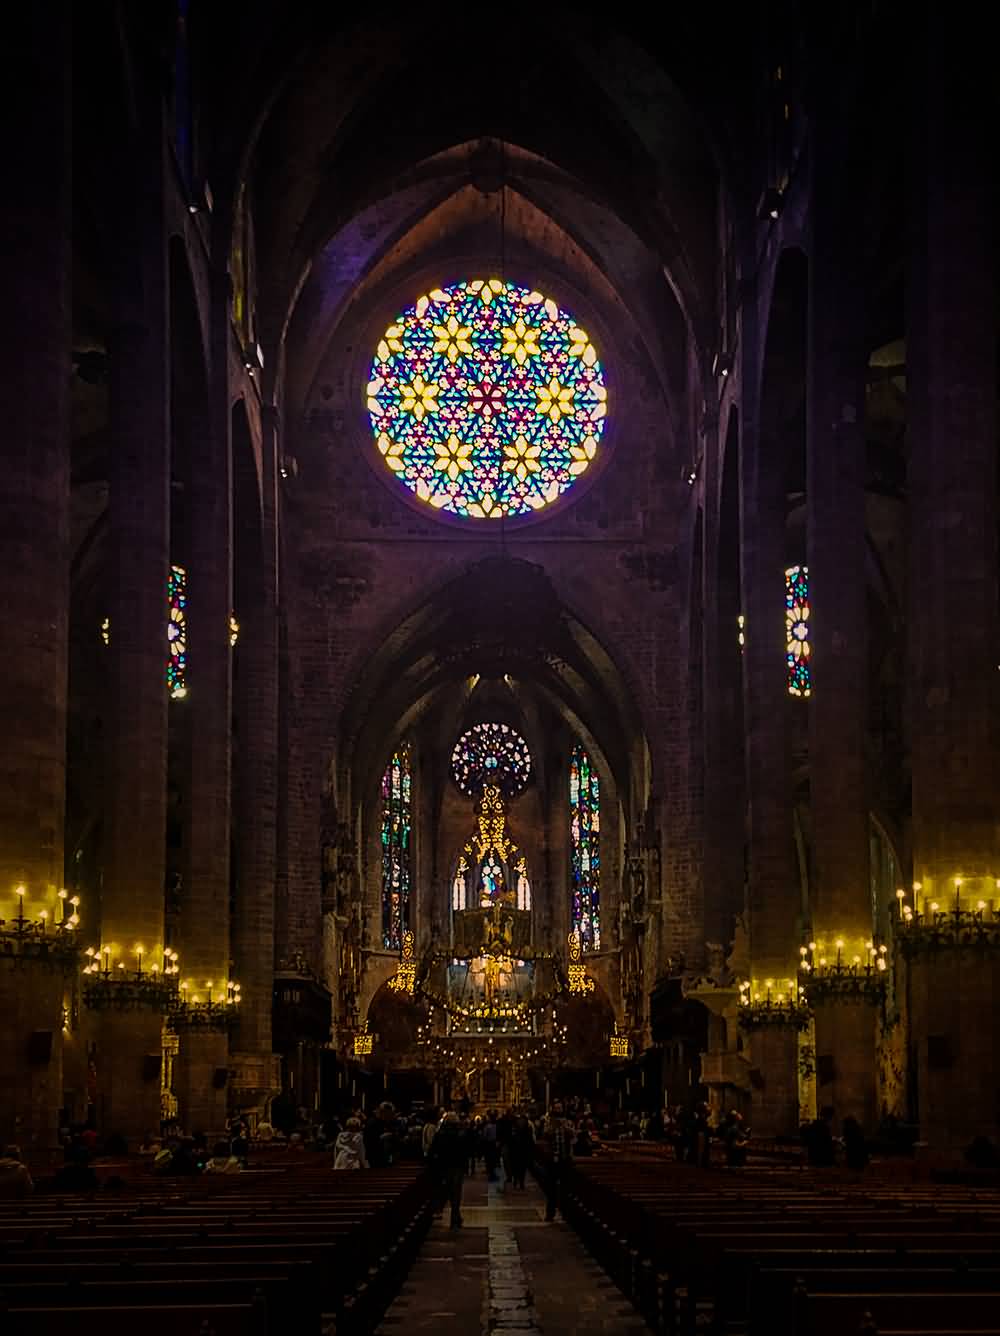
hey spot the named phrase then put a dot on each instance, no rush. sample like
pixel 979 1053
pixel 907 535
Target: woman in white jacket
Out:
pixel 350 1147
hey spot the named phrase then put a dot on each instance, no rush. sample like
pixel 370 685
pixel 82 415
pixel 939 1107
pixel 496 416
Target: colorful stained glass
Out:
pixel 486 399
pixel 177 632
pixel 797 630
pixel 396 825
pixel 585 851
pixel 491 754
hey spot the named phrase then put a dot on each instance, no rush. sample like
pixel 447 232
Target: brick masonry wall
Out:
pixel 363 559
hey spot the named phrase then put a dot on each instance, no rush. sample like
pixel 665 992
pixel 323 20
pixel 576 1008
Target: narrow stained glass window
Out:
pixel 177 632
pixel 585 838
pixel 396 849
pixel 797 630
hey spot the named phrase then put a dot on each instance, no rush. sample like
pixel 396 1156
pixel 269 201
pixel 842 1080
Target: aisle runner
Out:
pixel 510 1310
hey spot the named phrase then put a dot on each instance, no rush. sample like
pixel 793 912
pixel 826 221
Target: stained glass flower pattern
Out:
pixel 585 849
pixel 491 754
pixel 797 630
pixel 177 632
pixel 486 399
pixel 396 826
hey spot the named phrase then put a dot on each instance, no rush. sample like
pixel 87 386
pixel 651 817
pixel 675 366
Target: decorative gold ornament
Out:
pixel 576 972
pixel 619 1046
pixel 364 1042
pixel 405 978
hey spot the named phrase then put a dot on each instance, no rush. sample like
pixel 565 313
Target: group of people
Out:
pixel 822 1147
pixel 692 1130
pixel 513 1142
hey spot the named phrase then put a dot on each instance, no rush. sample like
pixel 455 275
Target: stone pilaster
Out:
pixel 722 861
pixel 202 930
pixel 138 558
pixel 952 604
pixel 255 788
pixel 774 1080
pixel 840 887
pixel 773 872
pixel 34 554
pixel 774 895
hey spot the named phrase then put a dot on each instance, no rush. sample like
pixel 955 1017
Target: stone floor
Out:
pixel 507 1271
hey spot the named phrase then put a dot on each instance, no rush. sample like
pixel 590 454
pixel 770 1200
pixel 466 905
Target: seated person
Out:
pixel 15 1180
pixel 221 1161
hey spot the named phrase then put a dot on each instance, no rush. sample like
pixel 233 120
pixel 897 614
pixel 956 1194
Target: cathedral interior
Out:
pixel 501 572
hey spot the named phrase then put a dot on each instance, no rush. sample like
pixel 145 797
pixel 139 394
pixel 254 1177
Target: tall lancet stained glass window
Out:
pixel 396 828
pixel 585 854
pixel 797 630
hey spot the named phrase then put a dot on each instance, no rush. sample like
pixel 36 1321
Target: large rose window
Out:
pixel 487 400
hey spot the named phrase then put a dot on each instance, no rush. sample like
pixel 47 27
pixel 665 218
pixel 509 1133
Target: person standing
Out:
pixel 558 1132
pixel 519 1150
pixel 428 1133
pixel 491 1150
pixel 855 1145
pixel 449 1158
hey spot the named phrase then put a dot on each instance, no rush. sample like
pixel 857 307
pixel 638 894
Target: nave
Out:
pixel 507 1271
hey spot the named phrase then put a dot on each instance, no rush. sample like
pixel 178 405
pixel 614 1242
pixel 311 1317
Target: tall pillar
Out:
pixel 202 933
pixel 724 778
pixel 838 780
pixel 952 610
pixel 132 900
pixel 775 908
pixel 255 791
pixel 35 230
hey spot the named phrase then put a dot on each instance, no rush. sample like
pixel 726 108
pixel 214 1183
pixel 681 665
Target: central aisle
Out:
pixel 506 1271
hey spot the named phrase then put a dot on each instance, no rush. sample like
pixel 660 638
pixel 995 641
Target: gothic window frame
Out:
pixel 396 845
pixel 585 848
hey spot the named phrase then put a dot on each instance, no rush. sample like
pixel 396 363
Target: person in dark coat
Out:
pixel 818 1141
pixel 449 1159
pixel 519 1150
pixel 855 1145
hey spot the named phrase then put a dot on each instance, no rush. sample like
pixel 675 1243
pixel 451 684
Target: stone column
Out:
pixel 952 606
pixel 838 782
pixel 35 228
pixel 255 794
pixel 202 934
pixel 723 715
pixel 129 1041
pixel 774 894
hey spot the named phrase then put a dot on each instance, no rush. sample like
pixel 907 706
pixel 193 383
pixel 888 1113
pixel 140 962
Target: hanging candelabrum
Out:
pixel 835 970
pixel 964 917
pixel 140 980
pixel 210 1006
pixel 772 1002
pixel 46 935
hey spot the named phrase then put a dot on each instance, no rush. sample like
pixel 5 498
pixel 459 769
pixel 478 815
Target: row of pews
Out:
pixel 286 1247
pixel 810 1253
